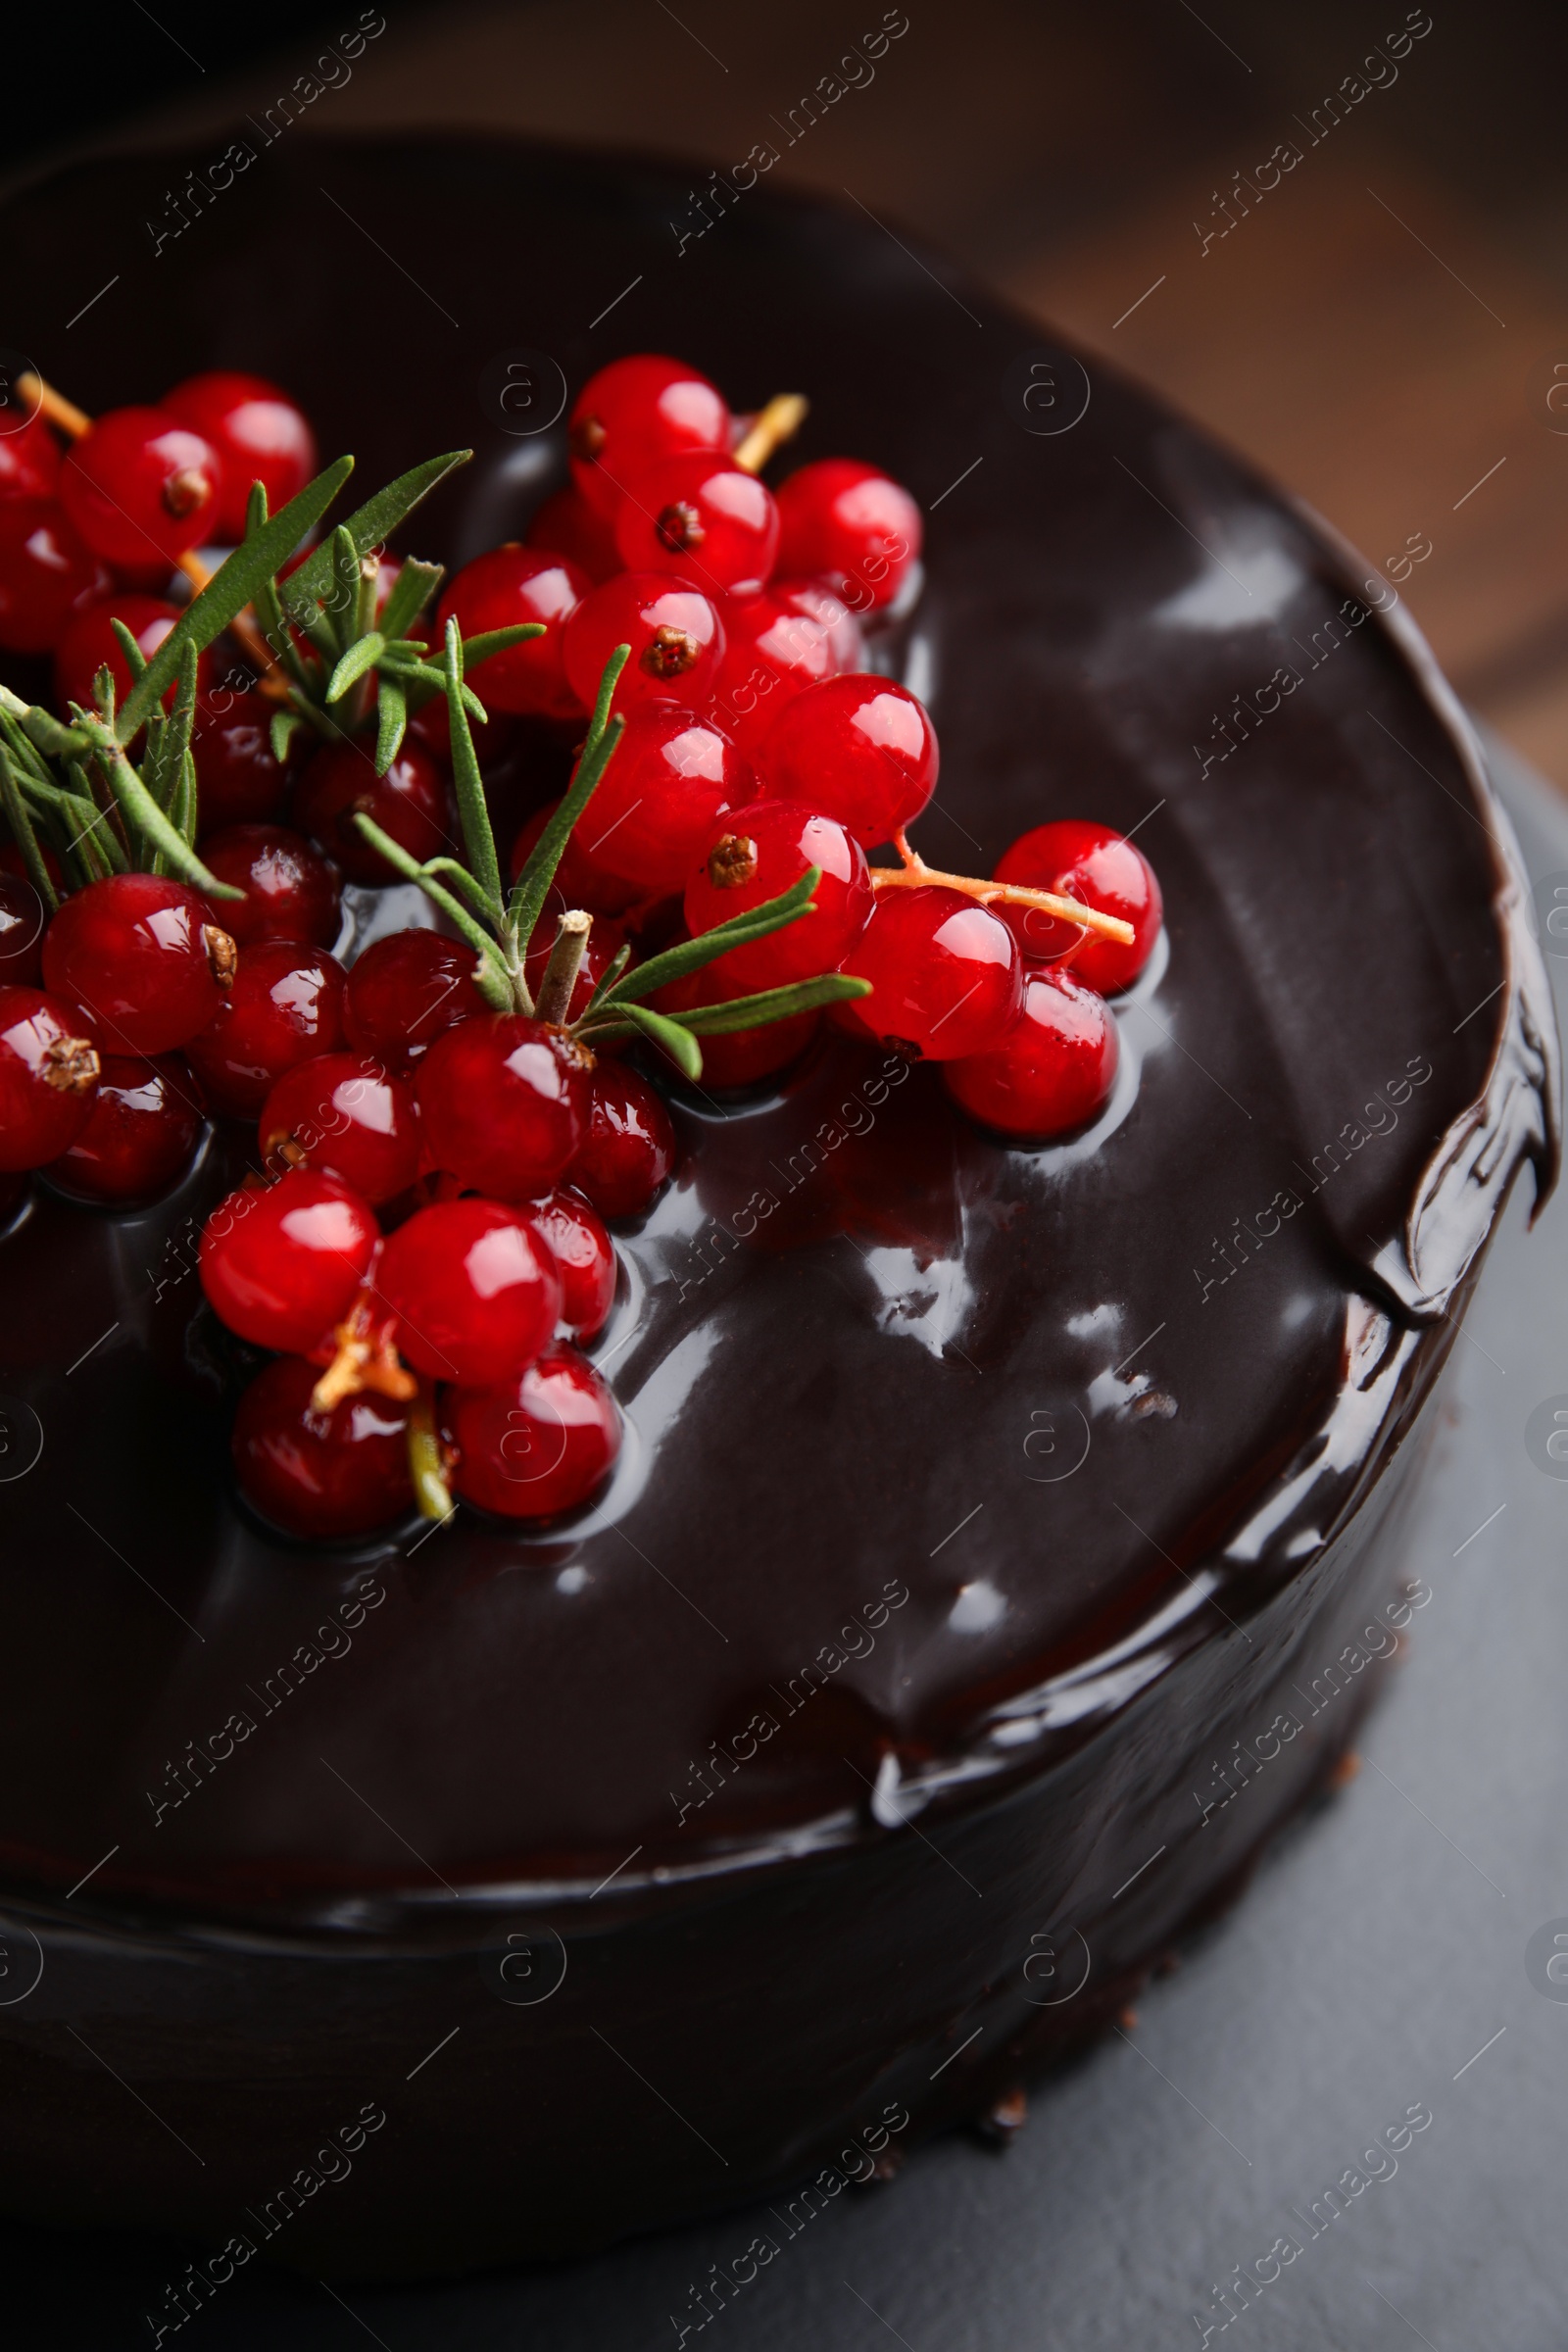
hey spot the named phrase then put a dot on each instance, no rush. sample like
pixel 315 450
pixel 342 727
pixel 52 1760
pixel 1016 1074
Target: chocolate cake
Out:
pixel 1003 1537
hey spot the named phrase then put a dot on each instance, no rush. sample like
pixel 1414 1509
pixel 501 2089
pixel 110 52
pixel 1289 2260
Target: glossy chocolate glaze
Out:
pixel 1013 1445
pixel 858 1336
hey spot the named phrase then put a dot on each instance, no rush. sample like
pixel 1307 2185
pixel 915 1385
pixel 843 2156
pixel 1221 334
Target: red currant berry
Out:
pixel 29 462
pixel 505 1102
pixel 238 780
pixel 258 432
pixel 285 1005
pixel 88 641
pixel 47 573
pixel 633 413
pixel 629 1144
pixel 138 485
pixel 1090 863
pixel 819 605
pixel 319 1475
pixel 281 1262
pixel 697 515
pixel 12 862
pixel 498 590
pixel 736 1057
pixel 586 1259
pixel 20 931
pixel 775 644
pixel 1052 1071
pixel 675 635
pixel 763 849
pixel 143 957
pixel 348 1115
pixel 48 1078
pixel 849 525
pixel 404 991
pixel 604 943
pixel 533 1446
pixel 145 1125
pixel 290 892
pixel 567 525
pixel 580 880
pixel 860 747
pixel 945 973
pixel 409 802
pixel 474 1288
pixel 672 775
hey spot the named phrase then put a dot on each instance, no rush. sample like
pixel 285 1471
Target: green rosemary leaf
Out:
pixel 612 975
pixel 472 889
pixel 771 1004
pixel 341 602
pixel 19 816
pixel 690 955
pixel 39 727
pixel 368 526
pixel 188 821
pixel 608 680
pixel 677 1041
pixel 532 885
pixel 231 589
pixel 416 584
pixel 154 765
pixel 147 820
pixel 135 658
pixel 280 728
pixel 178 734
pixel 361 655
pixel 474 817
pixel 391 719
pixel 490 977
pixel 112 837
pixel 93 834
pixel 424 680
pixel 496 641
pixel 276 629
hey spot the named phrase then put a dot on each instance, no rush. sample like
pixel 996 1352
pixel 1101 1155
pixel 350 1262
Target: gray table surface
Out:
pixel 1392 1954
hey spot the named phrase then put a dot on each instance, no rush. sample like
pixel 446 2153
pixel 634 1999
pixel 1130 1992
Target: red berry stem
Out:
pixel 915 875
pixel 428 1465
pixel 776 423
pixel 365 1356
pixel 54 405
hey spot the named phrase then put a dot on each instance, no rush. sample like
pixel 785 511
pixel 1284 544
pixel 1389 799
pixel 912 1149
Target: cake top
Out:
pixel 938 1445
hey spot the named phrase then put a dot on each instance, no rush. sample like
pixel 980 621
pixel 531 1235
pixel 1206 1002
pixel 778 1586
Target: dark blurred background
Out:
pixel 1379 329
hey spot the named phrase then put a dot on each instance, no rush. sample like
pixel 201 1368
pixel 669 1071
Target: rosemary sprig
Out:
pixel 499 925
pixel 71 786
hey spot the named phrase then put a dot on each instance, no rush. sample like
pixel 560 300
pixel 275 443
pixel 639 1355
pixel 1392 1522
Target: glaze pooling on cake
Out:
pixel 821 1392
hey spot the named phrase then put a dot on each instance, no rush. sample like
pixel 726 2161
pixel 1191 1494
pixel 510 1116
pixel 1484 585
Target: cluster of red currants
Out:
pixel 97 528
pixel 425 1250
pixel 756 747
